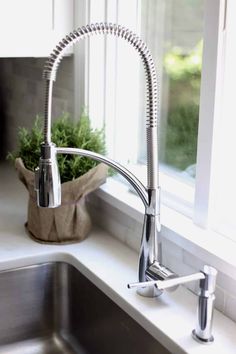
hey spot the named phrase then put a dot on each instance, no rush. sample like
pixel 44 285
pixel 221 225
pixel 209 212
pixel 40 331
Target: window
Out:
pixel 114 93
pixel 176 41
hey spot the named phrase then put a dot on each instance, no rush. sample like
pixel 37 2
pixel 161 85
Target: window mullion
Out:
pixel 81 10
pixel 211 79
pixel 110 79
pixel 96 66
pixel 127 86
pixel 223 210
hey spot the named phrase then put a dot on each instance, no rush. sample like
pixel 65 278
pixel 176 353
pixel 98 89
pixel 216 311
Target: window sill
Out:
pixel 209 246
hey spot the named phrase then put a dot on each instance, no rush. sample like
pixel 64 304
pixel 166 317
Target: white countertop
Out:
pixel 110 265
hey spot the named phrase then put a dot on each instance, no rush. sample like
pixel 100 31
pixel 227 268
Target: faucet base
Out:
pixel 151 291
pixel 157 271
pixel 202 340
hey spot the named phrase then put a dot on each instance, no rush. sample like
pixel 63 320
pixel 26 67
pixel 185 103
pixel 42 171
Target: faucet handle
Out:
pixel 141 284
pixel 168 283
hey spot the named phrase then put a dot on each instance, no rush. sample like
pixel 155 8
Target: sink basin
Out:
pixel 52 308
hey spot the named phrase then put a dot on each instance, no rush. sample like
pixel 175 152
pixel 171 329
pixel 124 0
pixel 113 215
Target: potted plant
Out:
pixel 69 222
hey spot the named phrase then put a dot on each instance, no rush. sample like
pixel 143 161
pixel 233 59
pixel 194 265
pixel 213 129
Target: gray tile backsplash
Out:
pixel 22 95
pixel 129 231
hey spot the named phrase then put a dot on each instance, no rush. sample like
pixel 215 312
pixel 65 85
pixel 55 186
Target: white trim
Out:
pixel 110 79
pixel 124 107
pixel 96 66
pixel 80 62
pixel 224 196
pixel 211 79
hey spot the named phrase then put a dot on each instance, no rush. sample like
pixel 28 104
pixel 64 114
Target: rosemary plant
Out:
pixel 65 132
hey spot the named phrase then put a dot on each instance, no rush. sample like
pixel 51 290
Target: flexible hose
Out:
pixel 152 87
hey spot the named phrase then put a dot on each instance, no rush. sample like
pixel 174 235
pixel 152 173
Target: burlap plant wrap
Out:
pixel 69 222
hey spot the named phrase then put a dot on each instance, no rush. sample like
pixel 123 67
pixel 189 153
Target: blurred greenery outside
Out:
pixel 184 74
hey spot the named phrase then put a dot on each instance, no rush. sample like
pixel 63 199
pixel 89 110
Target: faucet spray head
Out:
pixel 47 178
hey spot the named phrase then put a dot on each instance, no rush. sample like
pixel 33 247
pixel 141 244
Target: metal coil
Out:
pixel 152 88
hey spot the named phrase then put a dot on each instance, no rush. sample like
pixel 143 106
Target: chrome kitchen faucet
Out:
pixel 153 275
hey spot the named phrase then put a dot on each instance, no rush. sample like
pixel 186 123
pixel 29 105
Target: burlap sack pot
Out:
pixel 69 222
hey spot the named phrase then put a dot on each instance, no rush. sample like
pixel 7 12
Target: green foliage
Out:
pixel 180 66
pixel 64 133
pixel 181 138
pixel 184 71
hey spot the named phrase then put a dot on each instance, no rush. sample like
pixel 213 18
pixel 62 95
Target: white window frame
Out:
pixel 212 83
pixel 221 212
pixel 210 107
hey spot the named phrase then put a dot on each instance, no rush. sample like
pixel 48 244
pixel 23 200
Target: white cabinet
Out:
pixel 32 28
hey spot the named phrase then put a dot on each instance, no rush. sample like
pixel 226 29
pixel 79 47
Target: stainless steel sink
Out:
pixel 52 309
